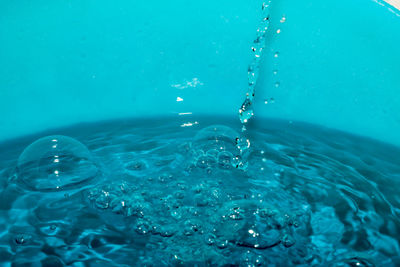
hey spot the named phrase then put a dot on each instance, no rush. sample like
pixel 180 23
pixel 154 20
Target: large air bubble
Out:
pixel 55 163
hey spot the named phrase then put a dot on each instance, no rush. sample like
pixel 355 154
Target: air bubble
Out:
pixel 288 241
pixel 55 163
pixel 283 19
pixel 239 163
pixel 49 230
pixel 103 201
pixel 277 84
pixel 224 147
pixel 225 160
pixel 142 227
pixel 252 259
pixel 22 239
pixel 222 244
pixel 210 239
pixel 218 137
pixel 206 161
pixel 276 54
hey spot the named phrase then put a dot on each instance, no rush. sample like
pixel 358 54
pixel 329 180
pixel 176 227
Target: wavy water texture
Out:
pixel 168 195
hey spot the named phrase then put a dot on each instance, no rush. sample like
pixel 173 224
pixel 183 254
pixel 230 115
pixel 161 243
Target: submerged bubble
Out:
pixel 239 163
pixel 22 239
pixel 218 137
pixel 55 163
pixel 276 54
pixel 288 241
pixel 358 261
pixel 225 159
pixel 206 161
pixel 252 259
pixel 224 146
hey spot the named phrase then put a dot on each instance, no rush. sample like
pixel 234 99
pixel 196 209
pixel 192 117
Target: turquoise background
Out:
pixel 72 61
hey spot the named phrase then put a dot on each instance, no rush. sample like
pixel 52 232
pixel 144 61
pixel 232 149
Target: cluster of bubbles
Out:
pixel 204 217
pixel 57 163
pixel 226 218
pixel 219 146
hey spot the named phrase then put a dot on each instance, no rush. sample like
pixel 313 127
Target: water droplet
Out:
pixel 277 84
pixel 242 143
pixel 252 78
pixel 276 54
pixel 55 163
pixel 275 72
pixel 278 31
pixel 246 111
pixel 283 19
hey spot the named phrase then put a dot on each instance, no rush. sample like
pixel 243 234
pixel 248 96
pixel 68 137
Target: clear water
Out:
pixel 153 193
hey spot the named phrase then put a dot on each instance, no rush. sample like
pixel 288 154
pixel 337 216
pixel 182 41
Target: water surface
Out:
pixel 163 194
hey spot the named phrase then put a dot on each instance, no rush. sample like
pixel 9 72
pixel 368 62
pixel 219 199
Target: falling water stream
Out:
pixel 246 109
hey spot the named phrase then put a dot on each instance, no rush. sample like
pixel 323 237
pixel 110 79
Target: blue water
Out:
pixel 159 192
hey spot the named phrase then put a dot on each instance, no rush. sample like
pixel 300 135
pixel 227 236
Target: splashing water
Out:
pixel 246 109
pixel 168 196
